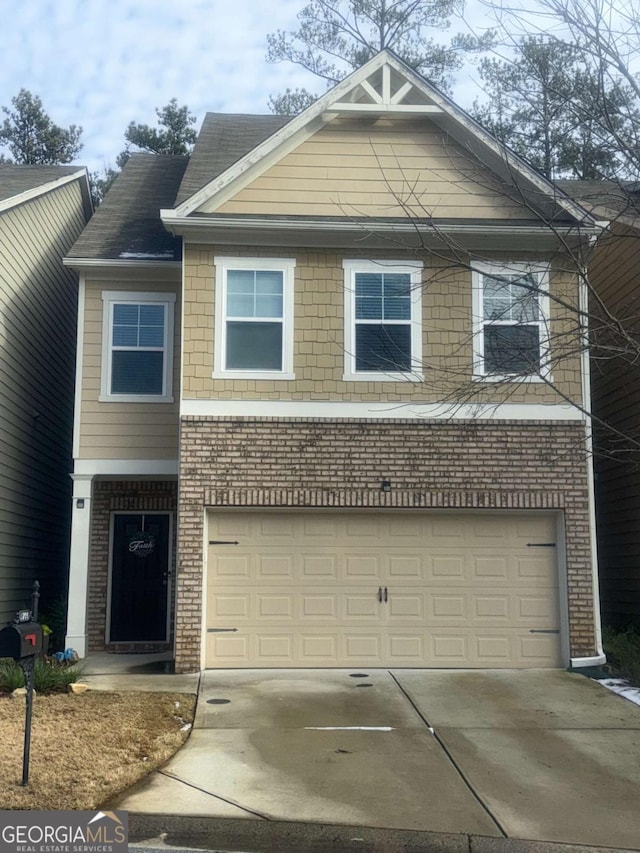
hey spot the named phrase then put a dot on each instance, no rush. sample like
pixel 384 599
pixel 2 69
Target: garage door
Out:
pixel 381 589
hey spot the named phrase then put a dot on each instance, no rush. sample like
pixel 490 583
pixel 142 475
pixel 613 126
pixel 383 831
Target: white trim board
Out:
pixel 412 411
pixel 127 467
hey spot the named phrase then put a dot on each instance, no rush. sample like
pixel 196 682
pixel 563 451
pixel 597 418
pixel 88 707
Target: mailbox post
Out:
pixel 22 641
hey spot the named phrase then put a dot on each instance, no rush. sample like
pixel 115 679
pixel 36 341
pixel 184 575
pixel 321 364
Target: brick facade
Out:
pixel 270 462
pixel 120 496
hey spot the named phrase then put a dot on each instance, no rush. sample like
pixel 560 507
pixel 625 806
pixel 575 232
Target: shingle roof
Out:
pixel 604 197
pixel 223 139
pixel 15 180
pixel 127 224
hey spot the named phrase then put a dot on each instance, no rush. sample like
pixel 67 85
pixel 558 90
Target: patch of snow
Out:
pixel 146 256
pixel 186 727
pixel 622 688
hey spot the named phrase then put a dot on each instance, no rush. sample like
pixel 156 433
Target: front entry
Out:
pixel 139 578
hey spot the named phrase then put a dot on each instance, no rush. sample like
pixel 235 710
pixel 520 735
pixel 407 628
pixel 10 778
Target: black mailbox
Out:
pixel 21 640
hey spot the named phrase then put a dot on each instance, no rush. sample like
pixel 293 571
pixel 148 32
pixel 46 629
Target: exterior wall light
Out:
pixel 385 486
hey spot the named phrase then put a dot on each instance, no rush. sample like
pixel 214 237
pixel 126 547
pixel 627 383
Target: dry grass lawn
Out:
pixel 85 749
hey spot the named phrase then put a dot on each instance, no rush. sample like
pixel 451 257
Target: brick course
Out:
pixel 271 462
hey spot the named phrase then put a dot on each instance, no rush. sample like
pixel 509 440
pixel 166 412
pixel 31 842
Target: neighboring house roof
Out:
pixel 15 180
pixel 127 224
pixel 20 183
pixel 223 140
pixel 614 200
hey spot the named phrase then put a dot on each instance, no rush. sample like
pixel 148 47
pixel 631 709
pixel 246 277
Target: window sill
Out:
pixel 274 375
pixel 134 398
pixel 512 377
pixel 383 377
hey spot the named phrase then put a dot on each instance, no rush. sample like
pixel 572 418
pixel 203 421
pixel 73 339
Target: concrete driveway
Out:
pixel 541 755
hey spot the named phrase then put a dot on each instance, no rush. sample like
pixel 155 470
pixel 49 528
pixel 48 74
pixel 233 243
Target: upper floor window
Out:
pixel 254 318
pixel 383 320
pixel 511 314
pixel 137 336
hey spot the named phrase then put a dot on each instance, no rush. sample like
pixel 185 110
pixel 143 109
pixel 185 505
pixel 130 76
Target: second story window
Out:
pixel 511 320
pixel 383 337
pixel 137 346
pixel 254 318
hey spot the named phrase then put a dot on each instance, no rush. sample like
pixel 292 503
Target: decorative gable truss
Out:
pixel 386 90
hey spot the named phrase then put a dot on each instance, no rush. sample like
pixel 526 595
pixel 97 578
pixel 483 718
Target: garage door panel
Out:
pixel 318 566
pixel 304 589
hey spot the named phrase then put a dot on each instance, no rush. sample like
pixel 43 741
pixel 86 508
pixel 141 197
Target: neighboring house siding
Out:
pixel 251 462
pixel 113 430
pixel 390 168
pixel 37 346
pixel 616 399
pixel 319 354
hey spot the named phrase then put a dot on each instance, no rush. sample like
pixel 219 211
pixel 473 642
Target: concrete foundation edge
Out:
pixel 270 836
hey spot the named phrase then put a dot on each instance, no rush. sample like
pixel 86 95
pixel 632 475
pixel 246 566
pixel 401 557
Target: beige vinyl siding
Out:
pixel 319 337
pixel 390 168
pixel 37 367
pixel 110 430
pixel 614 274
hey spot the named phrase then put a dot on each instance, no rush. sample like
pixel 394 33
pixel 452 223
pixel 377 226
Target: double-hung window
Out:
pixel 254 318
pixel 383 320
pixel 511 319
pixel 137 352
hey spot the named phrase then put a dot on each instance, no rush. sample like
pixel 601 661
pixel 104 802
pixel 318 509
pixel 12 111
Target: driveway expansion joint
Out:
pixel 226 800
pixel 447 752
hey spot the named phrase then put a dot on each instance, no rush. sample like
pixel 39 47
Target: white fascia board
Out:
pixel 42 189
pixel 358 410
pixel 119 263
pixel 127 467
pixel 188 227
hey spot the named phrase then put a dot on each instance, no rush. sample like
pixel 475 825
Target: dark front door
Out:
pixel 139 578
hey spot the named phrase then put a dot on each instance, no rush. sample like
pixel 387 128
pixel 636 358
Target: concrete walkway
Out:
pixel 546 756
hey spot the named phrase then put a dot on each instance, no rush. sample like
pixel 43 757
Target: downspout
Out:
pixel 585 370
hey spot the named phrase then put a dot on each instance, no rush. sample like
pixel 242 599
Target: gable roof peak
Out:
pixel 383 86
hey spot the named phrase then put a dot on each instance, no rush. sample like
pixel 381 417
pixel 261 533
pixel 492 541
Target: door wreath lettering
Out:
pixel 142 544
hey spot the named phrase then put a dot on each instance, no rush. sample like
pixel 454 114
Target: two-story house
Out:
pixel 43 210
pixel 331 397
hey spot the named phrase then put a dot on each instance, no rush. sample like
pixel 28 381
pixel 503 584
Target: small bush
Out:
pixel 48 676
pixel 623 653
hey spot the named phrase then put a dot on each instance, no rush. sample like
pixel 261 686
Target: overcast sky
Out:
pixel 104 63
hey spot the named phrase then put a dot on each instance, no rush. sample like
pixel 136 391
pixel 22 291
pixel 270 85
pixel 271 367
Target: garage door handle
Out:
pixel 380 594
pixel 385 595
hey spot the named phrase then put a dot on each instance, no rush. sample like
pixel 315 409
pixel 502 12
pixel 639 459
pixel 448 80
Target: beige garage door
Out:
pixel 322 589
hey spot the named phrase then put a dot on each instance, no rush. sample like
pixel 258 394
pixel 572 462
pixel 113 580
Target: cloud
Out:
pixel 104 63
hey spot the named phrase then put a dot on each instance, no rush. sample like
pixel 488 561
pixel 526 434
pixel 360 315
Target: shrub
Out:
pixel 49 677
pixel 623 652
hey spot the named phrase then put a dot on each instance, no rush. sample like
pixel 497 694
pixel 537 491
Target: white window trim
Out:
pixel 287 267
pixel 481 268
pixel 414 270
pixel 143 297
